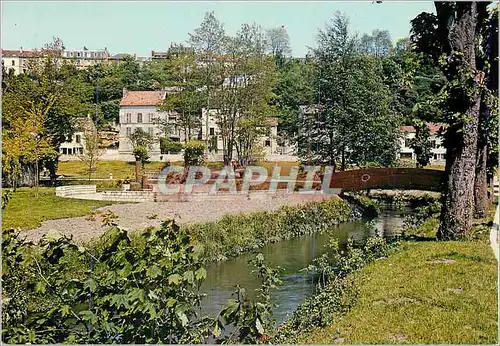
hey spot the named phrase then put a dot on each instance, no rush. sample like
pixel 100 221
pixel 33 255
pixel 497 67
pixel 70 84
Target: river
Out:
pixel 292 256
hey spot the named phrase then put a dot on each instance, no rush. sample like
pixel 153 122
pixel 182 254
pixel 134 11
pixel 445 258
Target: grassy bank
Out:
pixel 429 292
pixel 235 234
pixel 26 211
pixel 426 292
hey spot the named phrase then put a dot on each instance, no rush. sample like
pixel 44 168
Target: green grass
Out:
pixel 26 211
pixel 414 296
pixel 119 169
pixel 122 169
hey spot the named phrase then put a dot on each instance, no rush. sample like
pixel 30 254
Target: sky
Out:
pixel 140 27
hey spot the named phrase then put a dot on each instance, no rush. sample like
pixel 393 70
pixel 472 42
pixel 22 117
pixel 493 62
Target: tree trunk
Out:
pixel 481 201
pixel 28 175
pixel 52 167
pixel 137 163
pixel 457 25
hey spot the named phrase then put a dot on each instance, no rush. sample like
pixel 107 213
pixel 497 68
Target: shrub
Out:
pixel 194 153
pixel 168 146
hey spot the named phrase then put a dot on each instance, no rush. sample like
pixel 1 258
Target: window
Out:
pixel 13 62
pixel 407 143
pixel 406 155
pixel 212 131
pixel 129 131
pixel 128 117
pixel 139 117
pixel 433 144
pixel 64 151
pixel 172 117
pixel 78 138
pixel 267 143
pixel 24 70
pixel 150 117
pixel 150 131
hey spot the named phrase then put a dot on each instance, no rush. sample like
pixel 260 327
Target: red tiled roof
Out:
pixel 142 98
pixel 434 128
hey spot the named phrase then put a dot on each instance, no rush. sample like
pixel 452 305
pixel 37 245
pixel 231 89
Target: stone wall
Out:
pixel 75 190
pixel 128 196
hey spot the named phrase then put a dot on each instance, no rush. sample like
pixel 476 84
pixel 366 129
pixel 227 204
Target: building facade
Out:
pixel 438 150
pixel 75 144
pixel 210 128
pixel 140 110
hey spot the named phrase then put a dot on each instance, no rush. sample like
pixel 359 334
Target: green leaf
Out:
pixel 153 271
pixel 174 279
pixel 189 276
pixel 200 274
pixel 65 310
pixel 40 286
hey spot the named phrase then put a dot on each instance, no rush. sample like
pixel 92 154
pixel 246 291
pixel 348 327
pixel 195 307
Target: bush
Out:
pixel 168 146
pixel 194 153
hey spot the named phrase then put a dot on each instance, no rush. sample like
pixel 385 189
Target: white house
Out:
pixel 438 150
pixel 75 144
pixel 140 110
pixel 211 128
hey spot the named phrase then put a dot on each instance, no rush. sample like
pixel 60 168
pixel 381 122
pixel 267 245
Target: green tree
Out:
pixel 421 144
pixel 141 142
pixel 354 123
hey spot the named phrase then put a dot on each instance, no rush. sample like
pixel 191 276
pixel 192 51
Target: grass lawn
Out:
pixel 122 169
pixel 27 211
pixel 429 292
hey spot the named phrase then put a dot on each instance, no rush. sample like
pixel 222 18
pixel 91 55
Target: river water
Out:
pixel 292 256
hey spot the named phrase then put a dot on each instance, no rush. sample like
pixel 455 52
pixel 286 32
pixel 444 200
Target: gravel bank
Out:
pixel 136 216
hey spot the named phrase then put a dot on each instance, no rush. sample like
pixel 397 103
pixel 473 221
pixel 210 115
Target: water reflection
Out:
pixel 291 255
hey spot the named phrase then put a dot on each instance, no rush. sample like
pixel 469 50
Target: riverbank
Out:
pixel 427 292
pixel 137 216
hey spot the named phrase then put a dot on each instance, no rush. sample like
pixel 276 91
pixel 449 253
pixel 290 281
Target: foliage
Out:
pixel 335 292
pixel 379 43
pixel 253 320
pixel 194 153
pixel 421 144
pixel 354 123
pixel 142 142
pixel 91 151
pixel 235 234
pixel 168 146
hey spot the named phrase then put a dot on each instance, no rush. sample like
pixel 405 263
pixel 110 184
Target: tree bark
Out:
pixel 481 201
pixel 461 137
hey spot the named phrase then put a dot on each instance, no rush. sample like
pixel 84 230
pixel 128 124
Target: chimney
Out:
pixel 125 92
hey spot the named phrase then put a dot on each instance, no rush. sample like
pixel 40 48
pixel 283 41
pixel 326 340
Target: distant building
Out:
pixel 268 142
pixel 17 61
pixel 140 109
pixel 84 58
pixel 438 150
pixel 75 144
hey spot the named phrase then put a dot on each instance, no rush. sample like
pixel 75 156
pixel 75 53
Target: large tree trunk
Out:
pixel 481 200
pixel 458 21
